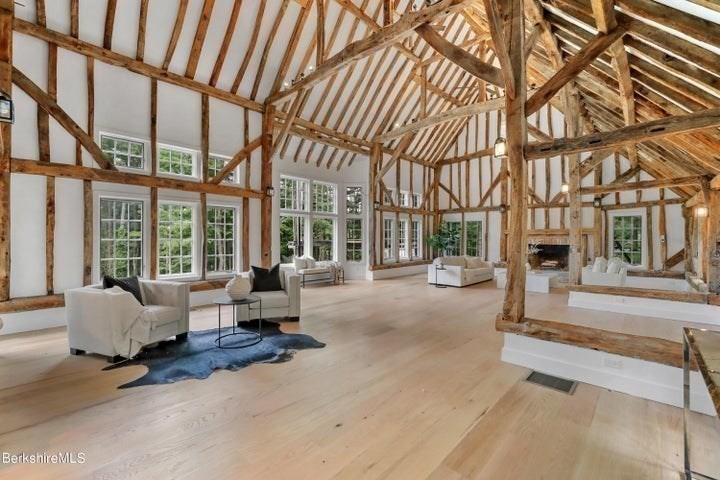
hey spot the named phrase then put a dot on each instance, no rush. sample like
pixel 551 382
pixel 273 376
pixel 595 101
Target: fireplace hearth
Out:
pixel 550 257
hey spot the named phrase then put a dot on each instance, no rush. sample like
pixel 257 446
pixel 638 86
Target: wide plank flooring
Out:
pixel 410 386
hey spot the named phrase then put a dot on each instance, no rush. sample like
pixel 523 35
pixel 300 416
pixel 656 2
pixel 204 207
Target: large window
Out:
pixel 402 238
pixel 388 239
pixel 220 239
pixel 176 238
pixel 123 152
pixel 323 238
pixel 474 238
pixel 353 202
pixel 416 238
pixel 455 247
pixel 216 163
pixel 628 238
pixel 416 200
pixel 293 194
pixel 292 237
pixel 323 197
pixel 353 240
pixel 121 237
pixel 176 161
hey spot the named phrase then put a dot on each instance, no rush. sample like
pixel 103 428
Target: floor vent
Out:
pixel 549 381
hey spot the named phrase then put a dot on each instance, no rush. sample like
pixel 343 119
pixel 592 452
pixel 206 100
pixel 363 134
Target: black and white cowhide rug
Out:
pixel 199 356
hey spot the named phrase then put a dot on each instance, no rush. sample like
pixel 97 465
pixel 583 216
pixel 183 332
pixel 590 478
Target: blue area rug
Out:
pixel 199 357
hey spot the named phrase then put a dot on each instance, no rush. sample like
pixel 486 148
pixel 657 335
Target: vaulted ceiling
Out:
pixel 664 63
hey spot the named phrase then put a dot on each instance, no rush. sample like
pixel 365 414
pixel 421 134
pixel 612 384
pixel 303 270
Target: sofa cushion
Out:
pixel 614 265
pixel 600 265
pixel 277 299
pixel 163 314
pixel 129 284
pixel 299 263
pixel 475 262
pixel 453 261
pixel 266 280
pixel 310 262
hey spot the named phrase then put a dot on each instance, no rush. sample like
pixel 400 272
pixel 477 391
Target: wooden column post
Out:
pixel 712 241
pixel 6 32
pixel 662 229
pixel 514 303
pixel 246 201
pixel 153 191
pixel 689 218
pixel 574 127
pixel 205 154
pixel 87 184
pixel 375 156
pixel 266 181
pixel 598 220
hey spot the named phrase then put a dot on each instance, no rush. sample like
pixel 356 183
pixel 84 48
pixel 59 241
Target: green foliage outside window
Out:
pixel 323 237
pixel 121 225
pixel 176 162
pixel 175 239
pixel 627 238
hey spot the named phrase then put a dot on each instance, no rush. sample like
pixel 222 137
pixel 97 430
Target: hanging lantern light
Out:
pixel 500 148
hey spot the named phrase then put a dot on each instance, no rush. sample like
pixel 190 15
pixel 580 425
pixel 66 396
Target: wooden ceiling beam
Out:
pixel 367 46
pixel 501 46
pixel 631 134
pixel 237 159
pixel 175 36
pixel 227 38
pixel 199 39
pixel 643 185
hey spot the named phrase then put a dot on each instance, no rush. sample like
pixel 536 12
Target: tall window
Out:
pixel 416 238
pixel 220 239
pixel 176 161
pixel 353 224
pixel 121 237
pixel 455 247
pixel 123 152
pixel 388 239
pixel 402 238
pixel 353 240
pixel 215 164
pixel 402 199
pixel 323 238
pixel 416 200
pixel 628 238
pixel 323 197
pixel 292 237
pixel 473 238
pixel 293 193
pixel 176 239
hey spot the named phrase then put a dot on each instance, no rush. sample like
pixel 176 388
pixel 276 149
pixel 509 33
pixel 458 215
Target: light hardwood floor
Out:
pixel 410 386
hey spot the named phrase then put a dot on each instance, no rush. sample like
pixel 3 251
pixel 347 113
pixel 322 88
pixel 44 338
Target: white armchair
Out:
pixel 94 314
pixel 283 303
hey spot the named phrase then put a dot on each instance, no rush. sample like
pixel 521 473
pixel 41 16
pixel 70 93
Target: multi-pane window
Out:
pixel 293 192
pixel 402 238
pixel 388 239
pixel 323 231
pixel 353 202
pixel 628 238
pixel 176 239
pixel 402 199
pixel 176 161
pixel 353 240
pixel 220 239
pixel 456 229
pixel 121 237
pixel 416 200
pixel 416 238
pixel 215 164
pixel 473 239
pixel 292 237
pixel 123 152
pixel 323 197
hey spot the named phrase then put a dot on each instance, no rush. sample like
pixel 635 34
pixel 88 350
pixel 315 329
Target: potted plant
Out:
pixel 445 239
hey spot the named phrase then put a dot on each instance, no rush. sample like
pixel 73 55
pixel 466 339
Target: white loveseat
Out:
pixel 93 315
pixel 460 271
pixel 605 273
pixel 283 303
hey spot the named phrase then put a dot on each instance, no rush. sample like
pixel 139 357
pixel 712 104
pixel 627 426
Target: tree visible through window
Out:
pixel 293 194
pixel 323 197
pixel 220 239
pixel 353 202
pixel 473 239
pixel 456 229
pixel 123 152
pixel 402 238
pixel 176 161
pixel 416 238
pixel 121 234
pixel 175 239
pixel 627 238
pixel 216 164
pixel 323 238
pixel 353 244
pixel 292 237
pixel 388 239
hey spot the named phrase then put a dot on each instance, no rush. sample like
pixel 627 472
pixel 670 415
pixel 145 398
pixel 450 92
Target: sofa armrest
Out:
pixel 172 294
pixel 292 288
pixel 90 318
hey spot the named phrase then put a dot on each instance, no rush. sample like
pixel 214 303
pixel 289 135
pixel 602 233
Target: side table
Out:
pixel 254 337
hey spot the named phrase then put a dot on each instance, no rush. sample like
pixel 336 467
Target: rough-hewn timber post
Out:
pixel 266 181
pixel 574 127
pixel 375 156
pixel 514 303
pixel 712 241
pixel 6 31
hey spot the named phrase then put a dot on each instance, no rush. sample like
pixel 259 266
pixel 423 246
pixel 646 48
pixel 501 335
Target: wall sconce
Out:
pixel 7 108
pixel 270 191
pixel 565 188
pixel 503 208
pixel 701 212
pixel 500 149
pixel 376 205
pixel 597 203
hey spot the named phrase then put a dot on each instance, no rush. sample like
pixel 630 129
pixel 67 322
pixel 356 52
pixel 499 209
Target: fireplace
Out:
pixel 550 257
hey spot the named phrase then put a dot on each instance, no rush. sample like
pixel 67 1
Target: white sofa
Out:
pixel 283 303
pixel 91 315
pixel 603 273
pixel 460 271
